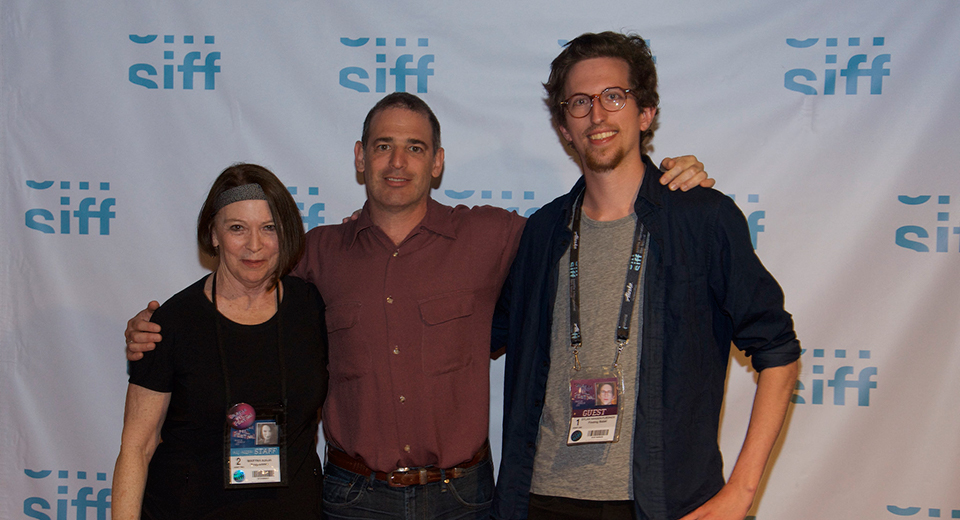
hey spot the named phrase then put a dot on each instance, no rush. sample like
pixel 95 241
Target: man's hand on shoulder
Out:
pixel 142 335
pixel 353 216
pixel 684 172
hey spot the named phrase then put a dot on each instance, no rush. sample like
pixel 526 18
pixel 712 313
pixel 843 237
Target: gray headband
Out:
pixel 237 194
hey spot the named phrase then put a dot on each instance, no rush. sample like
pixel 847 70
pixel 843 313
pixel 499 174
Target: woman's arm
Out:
pixel 143 416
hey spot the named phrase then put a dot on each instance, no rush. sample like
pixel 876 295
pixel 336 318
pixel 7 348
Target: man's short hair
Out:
pixel 628 47
pixel 406 101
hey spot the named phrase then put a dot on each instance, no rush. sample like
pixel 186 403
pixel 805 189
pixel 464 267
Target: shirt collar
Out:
pixel 650 189
pixel 436 221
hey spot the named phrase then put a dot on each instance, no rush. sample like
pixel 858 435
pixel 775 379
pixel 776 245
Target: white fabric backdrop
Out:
pixel 834 126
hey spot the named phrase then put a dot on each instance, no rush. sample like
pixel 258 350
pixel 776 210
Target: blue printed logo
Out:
pixel 192 62
pixel 311 215
pixel 76 207
pixel 358 78
pixel 860 63
pixel 469 198
pixel 845 376
pixel 84 496
pixel 933 512
pixel 920 238
pixel 754 216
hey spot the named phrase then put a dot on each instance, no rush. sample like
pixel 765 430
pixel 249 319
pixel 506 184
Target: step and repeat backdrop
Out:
pixel 834 125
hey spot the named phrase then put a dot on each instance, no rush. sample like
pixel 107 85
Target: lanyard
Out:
pixel 223 353
pixel 640 235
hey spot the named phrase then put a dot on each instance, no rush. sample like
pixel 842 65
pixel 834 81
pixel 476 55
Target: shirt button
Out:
pixel 396 350
pixel 406 448
pixel 389 299
pixel 395 254
pixel 402 399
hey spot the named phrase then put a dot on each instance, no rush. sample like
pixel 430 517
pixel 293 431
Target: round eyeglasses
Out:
pixel 612 99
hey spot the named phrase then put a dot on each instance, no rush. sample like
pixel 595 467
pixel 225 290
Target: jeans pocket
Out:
pixel 342 489
pixel 474 490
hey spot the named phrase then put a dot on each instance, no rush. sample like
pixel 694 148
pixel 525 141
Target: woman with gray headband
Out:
pixel 221 419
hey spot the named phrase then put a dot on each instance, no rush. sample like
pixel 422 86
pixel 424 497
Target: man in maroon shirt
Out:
pixel 410 287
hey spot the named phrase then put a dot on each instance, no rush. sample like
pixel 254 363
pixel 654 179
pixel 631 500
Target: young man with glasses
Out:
pixel 623 282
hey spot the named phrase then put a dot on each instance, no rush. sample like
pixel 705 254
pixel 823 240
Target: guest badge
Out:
pixel 595 408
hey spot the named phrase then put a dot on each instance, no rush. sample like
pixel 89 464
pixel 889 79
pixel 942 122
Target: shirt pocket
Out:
pixel 348 357
pixel 446 329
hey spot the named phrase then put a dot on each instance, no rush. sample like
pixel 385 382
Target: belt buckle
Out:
pixel 396 477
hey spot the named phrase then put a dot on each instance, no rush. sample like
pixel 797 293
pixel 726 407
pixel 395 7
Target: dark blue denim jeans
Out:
pixel 349 495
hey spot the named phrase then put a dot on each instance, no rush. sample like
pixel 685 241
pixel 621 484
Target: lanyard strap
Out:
pixel 630 291
pixel 223 354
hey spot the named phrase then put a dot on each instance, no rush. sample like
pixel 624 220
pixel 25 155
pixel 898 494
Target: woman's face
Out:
pixel 268 436
pixel 247 239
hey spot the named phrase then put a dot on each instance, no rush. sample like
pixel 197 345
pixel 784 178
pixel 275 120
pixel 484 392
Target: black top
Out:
pixel 185 478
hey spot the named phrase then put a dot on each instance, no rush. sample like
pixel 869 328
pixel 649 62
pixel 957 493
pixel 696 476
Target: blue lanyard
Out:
pixel 630 287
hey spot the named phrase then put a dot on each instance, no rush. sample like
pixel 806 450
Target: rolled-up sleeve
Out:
pixel 749 294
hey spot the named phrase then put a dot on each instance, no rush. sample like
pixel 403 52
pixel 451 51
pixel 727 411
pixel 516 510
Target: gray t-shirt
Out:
pixel 599 471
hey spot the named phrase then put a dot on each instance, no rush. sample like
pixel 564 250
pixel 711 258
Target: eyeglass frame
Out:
pixel 566 102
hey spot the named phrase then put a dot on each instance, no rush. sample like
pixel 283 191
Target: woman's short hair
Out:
pixel 286 215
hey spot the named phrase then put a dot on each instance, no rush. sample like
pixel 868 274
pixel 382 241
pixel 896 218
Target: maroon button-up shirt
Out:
pixel 409 332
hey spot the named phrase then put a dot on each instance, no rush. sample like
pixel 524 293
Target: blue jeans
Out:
pixel 349 495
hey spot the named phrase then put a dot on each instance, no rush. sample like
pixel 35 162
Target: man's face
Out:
pixel 399 161
pixel 603 139
pixel 606 394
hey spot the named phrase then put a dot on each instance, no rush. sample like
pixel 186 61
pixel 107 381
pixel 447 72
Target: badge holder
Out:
pixel 595 405
pixel 255 447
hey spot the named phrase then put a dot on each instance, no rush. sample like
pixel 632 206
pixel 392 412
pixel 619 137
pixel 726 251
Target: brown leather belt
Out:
pixel 403 477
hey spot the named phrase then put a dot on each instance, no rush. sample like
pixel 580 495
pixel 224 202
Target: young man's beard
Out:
pixel 596 163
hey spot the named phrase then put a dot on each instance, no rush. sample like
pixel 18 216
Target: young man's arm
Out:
pixel 764 330
pixel 774 388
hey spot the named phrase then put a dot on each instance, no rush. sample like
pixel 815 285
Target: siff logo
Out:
pixel 460 197
pixel 753 218
pixel 805 81
pixel 85 497
pixel 311 216
pixel 193 62
pixel 354 77
pixel 933 512
pixel 862 382
pixel 37 218
pixel 914 237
